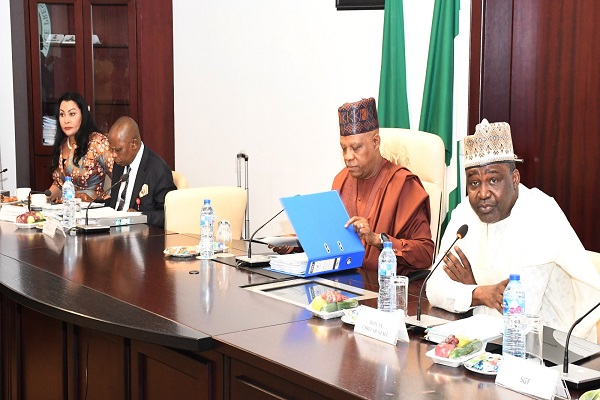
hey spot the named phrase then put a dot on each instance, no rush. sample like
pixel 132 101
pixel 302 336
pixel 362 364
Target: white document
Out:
pixel 10 212
pixel 481 326
pixel 279 240
pixel 107 212
pixel 294 263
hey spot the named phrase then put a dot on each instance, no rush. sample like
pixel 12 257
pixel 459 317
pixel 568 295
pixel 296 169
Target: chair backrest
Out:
pixel 595 257
pixel 182 208
pixel 180 180
pixel 423 154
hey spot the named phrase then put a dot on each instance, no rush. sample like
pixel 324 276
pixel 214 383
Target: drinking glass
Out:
pixel 400 284
pixel 223 237
pixel 534 338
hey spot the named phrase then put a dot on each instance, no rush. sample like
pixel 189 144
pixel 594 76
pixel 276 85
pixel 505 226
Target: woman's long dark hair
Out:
pixel 82 137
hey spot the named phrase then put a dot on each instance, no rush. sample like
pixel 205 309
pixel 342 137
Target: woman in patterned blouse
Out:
pixel 79 150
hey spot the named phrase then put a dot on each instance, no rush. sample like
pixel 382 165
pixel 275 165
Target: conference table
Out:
pixel 108 315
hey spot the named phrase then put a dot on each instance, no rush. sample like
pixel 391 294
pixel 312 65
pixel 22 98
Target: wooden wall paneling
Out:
pixel 495 89
pixel 6 321
pixel 537 65
pixel 160 373
pixel 21 90
pixel 555 97
pixel 155 68
pixel 103 359
pixel 43 360
pixel 42 173
pixel 251 383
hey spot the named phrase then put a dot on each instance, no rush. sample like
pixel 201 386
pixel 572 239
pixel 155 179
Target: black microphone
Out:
pixel 461 233
pixel 253 261
pixel 4 170
pixel 579 377
pixel 242 155
pixel 47 192
pixel 99 228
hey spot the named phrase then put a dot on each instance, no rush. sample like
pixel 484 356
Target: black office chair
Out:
pixel 416 275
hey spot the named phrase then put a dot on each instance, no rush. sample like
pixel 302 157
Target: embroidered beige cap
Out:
pixel 491 143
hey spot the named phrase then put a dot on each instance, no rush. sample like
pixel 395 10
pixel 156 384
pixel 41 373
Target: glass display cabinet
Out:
pixel 117 53
pixel 86 46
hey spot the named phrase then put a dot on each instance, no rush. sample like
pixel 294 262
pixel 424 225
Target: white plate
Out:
pixel 325 315
pixel 347 320
pixel 181 251
pixel 452 362
pixel 26 226
pixel 485 363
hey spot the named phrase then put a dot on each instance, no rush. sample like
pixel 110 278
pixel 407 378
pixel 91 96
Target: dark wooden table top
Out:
pixel 122 283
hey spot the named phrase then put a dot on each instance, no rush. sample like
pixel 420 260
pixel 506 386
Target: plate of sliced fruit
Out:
pixel 181 251
pixel 29 219
pixel 454 351
pixel 331 304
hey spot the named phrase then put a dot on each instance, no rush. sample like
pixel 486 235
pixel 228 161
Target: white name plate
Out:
pixel 527 377
pixel 50 227
pixel 377 324
pixel 9 212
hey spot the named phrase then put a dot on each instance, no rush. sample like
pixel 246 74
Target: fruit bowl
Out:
pixel 25 225
pixel 452 362
pixel 324 314
pixel 30 218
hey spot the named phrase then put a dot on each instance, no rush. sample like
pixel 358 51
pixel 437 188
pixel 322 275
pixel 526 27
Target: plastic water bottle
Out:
pixel 513 303
pixel 207 220
pixel 387 271
pixel 68 199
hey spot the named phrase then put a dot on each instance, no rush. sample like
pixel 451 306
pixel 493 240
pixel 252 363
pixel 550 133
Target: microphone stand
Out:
pixel 1 180
pixel 257 260
pixel 87 228
pixel 579 377
pixel 428 320
pixel 244 156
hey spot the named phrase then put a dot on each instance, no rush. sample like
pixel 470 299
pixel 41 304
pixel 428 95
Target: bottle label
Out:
pixel 386 269
pixel 206 220
pixel 512 307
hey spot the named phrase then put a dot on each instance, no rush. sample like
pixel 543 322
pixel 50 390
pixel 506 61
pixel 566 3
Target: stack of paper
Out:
pixel 294 263
pixel 481 326
pixel 48 130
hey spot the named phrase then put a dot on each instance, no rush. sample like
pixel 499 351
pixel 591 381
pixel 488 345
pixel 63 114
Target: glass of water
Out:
pixel 224 237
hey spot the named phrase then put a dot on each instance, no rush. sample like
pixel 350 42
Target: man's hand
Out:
pixel 362 227
pixel 285 249
pixel 459 268
pixel 490 295
pixel 83 197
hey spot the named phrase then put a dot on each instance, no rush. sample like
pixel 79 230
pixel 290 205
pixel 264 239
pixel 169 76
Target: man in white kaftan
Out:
pixel 513 229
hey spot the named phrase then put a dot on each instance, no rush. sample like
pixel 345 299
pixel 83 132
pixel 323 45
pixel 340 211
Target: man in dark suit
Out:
pixel 150 178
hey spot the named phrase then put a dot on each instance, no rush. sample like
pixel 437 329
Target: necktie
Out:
pixel 124 192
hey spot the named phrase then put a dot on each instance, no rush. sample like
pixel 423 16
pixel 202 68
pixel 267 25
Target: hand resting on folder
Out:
pixel 360 224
